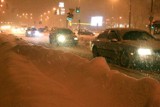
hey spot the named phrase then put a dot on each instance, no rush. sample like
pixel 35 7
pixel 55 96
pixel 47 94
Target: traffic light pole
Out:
pixel 151 17
pixel 79 26
pixel 66 23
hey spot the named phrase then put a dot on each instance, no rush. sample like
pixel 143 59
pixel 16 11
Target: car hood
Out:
pixel 152 44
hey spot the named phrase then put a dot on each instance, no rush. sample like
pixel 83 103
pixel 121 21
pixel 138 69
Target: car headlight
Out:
pixel 29 32
pixel 61 38
pixel 144 51
pixel 75 38
pixel 37 33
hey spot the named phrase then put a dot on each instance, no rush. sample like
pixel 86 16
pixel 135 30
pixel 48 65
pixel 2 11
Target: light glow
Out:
pixel 61 38
pixel 144 52
pixel 6 27
pixel 96 21
pixel 61 4
pixel 75 38
pixel 29 32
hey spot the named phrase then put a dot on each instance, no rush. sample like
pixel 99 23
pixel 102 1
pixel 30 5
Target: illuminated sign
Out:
pixel 62 11
pixel 96 21
pixel 61 4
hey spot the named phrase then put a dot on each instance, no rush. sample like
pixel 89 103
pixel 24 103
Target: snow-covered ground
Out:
pixel 83 50
pixel 34 76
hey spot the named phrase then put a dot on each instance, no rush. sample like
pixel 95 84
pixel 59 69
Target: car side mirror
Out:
pixel 114 40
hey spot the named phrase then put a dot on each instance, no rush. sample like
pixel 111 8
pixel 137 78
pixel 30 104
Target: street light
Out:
pixel 2 1
pixel 54 9
pixel 49 12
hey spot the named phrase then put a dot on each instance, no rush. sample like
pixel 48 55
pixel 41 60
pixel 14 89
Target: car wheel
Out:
pixel 124 59
pixel 95 52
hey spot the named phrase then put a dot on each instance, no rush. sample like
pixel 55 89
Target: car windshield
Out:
pixel 33 29
pixel 64 31
pixel 137 35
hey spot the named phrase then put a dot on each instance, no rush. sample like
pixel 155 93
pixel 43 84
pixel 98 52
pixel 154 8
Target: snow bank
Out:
pixel 33 76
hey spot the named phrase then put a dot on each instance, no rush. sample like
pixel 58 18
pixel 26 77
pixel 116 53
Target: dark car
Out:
pixel 85 32
pixel 127 47
pixel 32 32
pixel 63 37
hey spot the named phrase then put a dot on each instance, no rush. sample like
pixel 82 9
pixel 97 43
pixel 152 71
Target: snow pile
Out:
pixel 33 76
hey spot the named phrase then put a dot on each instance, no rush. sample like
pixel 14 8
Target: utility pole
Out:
pixel 130 6
pixel 151 17
pixel 79 19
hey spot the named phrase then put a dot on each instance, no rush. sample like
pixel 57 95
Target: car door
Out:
pixel 101 42
pixel 112 46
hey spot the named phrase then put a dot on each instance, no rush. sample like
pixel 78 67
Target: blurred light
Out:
pixel 58 13
pixel 2 1
pixel 62 11
pixel 29 32
pixel 61 4
pixel 37 33
pixel 54 8
pixel 96 21
pixel 61 38
pixel 18 31
pixel 6 27
pixel 3 12
pixel 47 17
pixel 77 9
pixel 121 25
pixel 75 38
pixel 144 52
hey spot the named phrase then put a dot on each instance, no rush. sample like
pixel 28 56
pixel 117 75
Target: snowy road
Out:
pixel 83 50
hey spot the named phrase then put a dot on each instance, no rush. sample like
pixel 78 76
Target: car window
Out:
pixel 103 35
pixel 112 35
pixel 137 35
pixel 66 31
pixel 33 29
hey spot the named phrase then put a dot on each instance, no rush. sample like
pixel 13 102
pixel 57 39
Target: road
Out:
pixel 83 50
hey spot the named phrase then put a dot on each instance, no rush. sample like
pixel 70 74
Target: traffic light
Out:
pixel 77 9
pixel 69 16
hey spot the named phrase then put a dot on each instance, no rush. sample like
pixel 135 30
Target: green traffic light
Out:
pixel 77 10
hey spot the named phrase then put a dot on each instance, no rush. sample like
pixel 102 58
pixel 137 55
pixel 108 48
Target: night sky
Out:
pixel 88 7
pixel 34 6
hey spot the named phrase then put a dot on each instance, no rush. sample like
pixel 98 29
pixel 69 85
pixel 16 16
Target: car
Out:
pixel 63 37
pixel 127 47
pixel 84 34
pixel 33 32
